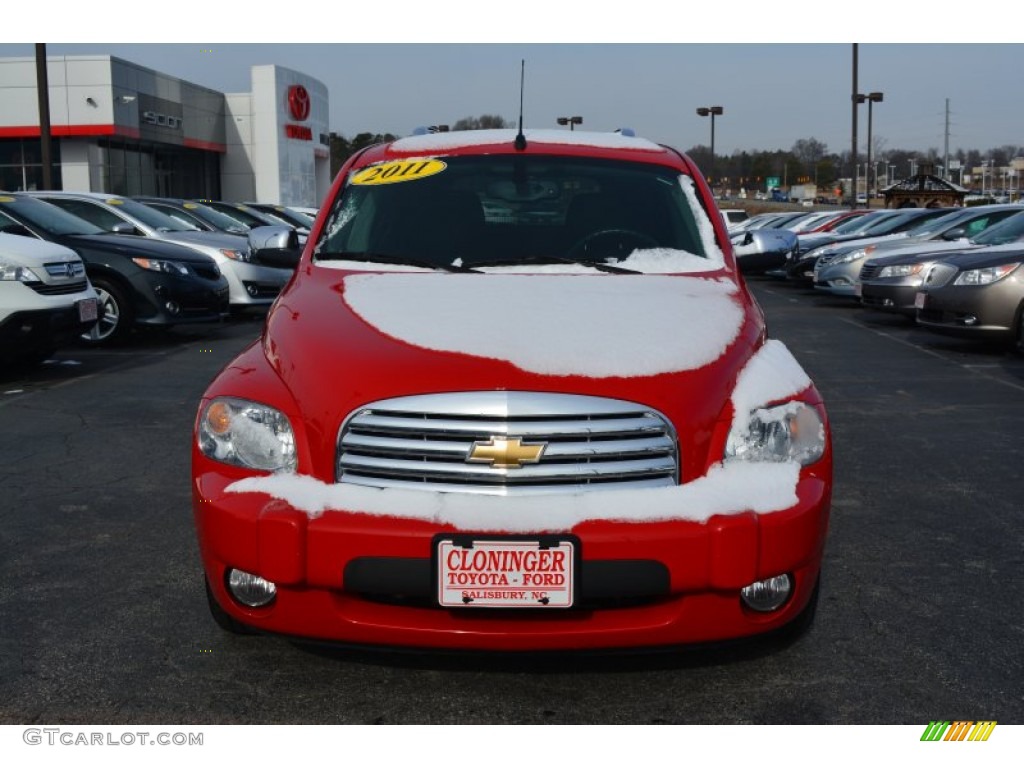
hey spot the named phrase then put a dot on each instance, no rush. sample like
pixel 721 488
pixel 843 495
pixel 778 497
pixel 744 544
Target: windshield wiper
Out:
pixel 383 258
pixel 599 265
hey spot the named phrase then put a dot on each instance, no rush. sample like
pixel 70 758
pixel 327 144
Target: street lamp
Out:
pixel 571 121
pixel 870 98
pixel 705 112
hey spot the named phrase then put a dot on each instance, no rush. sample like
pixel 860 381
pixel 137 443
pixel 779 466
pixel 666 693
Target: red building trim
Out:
pixel 32 132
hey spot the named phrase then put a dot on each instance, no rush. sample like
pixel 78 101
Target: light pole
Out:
pixel 889 175
pixel 570 121
pixel 705 112
pixel 870 98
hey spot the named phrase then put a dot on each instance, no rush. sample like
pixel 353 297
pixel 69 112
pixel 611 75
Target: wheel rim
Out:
pixel 110 320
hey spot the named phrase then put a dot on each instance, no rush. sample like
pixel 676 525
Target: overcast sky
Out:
pixel 772 94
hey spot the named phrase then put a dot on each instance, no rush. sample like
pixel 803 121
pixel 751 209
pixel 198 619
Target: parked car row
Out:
pixel 134 263
pixel 954 271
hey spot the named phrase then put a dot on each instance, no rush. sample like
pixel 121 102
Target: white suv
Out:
pixel 45 299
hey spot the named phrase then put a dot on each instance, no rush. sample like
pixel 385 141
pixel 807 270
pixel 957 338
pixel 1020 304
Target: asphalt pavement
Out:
pixel 103 617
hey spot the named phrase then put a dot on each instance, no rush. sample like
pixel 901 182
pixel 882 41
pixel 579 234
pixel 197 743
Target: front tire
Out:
pixel 117 315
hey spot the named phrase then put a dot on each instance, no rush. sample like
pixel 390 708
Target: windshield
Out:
pixel 859 223
pixel 291 218
pixel 513 209
pixel 46 218
pixel 1009 231
pixel 246 216
pixel 932 227
pixel 214 218
pixel 159 221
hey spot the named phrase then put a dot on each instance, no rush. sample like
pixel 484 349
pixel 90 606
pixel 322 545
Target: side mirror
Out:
pixel 764 249
pixel 273 239
pixel 123 228
pixel 958 233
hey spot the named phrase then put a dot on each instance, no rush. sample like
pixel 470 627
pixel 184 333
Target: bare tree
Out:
pixel 480 123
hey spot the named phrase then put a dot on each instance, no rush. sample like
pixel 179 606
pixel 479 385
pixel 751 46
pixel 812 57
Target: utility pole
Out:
pixel 853 144
pixel 945 168
pixel 43 92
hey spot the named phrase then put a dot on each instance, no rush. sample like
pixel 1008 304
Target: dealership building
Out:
pixel 121 128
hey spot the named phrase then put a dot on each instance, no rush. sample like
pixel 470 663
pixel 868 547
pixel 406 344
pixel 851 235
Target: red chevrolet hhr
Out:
pixel 516 397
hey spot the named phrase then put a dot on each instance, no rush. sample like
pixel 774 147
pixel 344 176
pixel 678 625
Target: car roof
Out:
pixel 538 141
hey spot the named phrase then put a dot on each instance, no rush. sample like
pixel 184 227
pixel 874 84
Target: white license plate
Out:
pixel 505 574
pixel 87 310
pixel 858 290
pixel 919 300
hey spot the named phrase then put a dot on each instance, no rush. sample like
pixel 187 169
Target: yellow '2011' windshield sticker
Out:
pixel 398 170
pixel 6 199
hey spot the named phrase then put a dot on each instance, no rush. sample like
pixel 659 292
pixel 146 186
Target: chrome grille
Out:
pixel 426 441
pixel 68 269
pixel 60 289
pixel 869 270
pixel 939 275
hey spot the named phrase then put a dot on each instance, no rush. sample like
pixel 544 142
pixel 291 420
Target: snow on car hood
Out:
pixel 729 487
pixel 595 326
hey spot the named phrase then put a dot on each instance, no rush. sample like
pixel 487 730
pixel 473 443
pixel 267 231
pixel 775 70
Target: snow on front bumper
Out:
pixel 710 540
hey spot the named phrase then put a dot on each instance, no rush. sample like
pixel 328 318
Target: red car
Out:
pixel 517 396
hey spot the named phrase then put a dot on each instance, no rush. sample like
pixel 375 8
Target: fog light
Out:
pixel 969 320
pixel 250 589
pixel 252 289
pixel 172 307
pixel 767 595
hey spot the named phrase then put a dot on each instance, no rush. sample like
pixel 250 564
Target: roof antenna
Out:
pixel 520 144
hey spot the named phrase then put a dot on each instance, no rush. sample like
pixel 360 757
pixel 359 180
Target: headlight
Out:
pixel 984 276
pixel 162 265
pixel 790 432
pixel 235 254
pixel 846 258
pixel 816 252
pixel 10 271
pixel 247 434
pixel 903 270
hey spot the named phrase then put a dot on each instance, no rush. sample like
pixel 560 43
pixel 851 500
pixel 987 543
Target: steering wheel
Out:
pixel 617 243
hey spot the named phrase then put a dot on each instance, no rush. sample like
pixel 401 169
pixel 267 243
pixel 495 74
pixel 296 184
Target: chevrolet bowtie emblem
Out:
pixel 506 454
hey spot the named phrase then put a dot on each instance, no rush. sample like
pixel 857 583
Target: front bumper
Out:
pixel 889 297
pixel 640 584
pixel 165 300
pixel 988 312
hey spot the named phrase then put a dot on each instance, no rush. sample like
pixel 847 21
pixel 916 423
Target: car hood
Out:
pixel 129 246
pixel 913 253
pixel 212 239
pixel 992 256
pixel 338 340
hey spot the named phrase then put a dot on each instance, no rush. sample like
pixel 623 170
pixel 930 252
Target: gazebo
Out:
pixel 925 190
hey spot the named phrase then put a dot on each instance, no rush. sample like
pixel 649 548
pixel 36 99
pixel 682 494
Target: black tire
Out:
pixel 1019 341
pixel 117 315
pixel 223 619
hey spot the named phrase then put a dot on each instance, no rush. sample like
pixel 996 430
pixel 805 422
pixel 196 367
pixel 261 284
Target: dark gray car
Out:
pixel 890 282
pixel 976 295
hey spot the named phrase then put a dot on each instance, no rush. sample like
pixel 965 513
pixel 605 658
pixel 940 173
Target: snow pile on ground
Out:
pixel 555 325
pixel 728 488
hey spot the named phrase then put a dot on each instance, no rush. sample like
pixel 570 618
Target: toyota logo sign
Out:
pixel 298 102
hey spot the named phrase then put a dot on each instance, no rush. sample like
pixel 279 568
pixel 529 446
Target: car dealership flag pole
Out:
pixel 43 91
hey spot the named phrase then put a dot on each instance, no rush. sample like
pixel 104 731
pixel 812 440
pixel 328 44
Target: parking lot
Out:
pixel 104 618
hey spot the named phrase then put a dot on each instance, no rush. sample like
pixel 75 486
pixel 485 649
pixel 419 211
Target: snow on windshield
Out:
pixel 595 326
pixel 729 488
